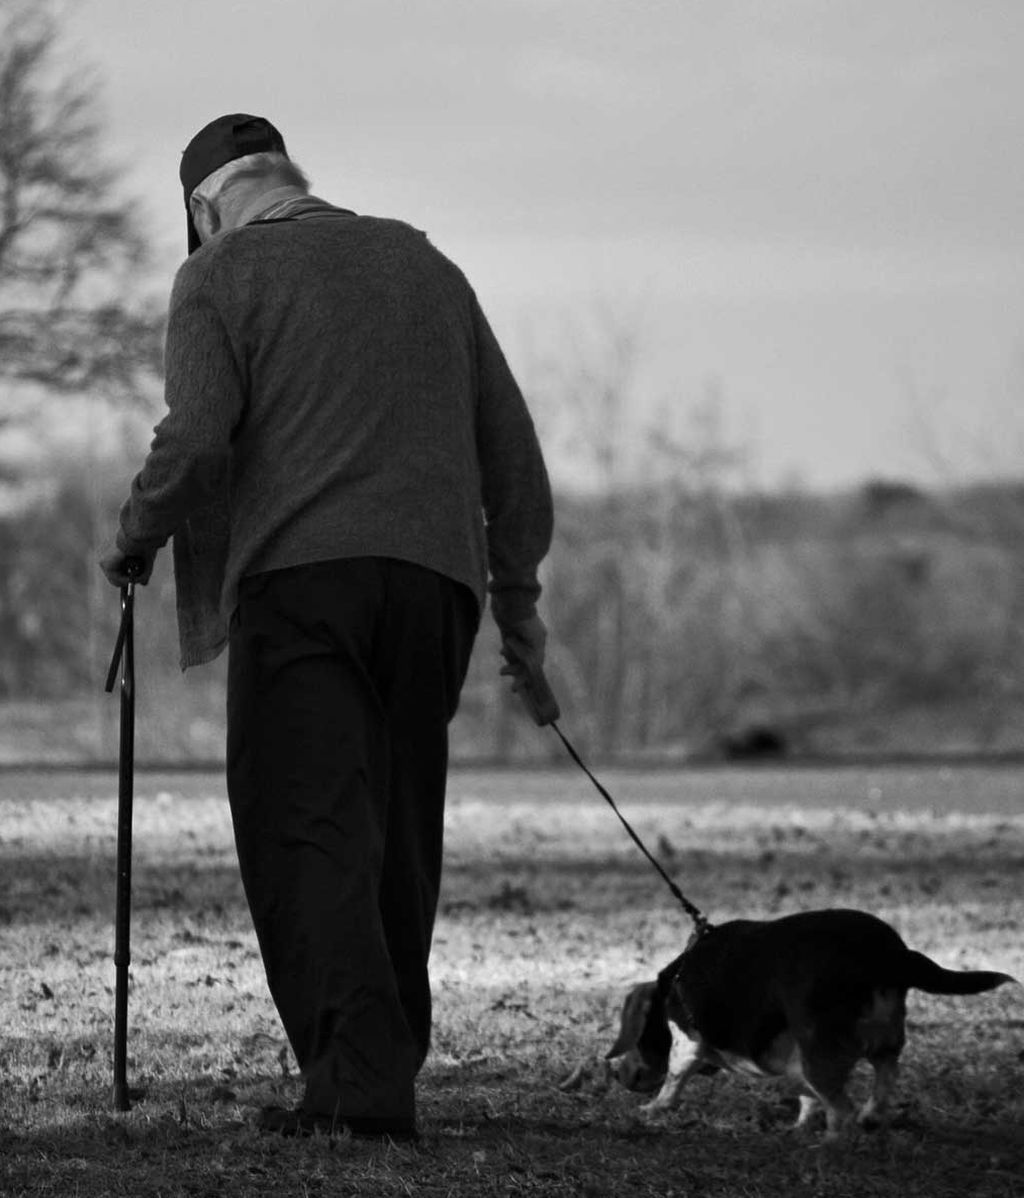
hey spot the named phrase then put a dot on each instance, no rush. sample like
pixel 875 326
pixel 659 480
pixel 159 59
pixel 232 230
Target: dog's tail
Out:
pixel 923 974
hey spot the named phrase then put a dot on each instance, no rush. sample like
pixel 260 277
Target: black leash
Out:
pixel 544 710
pixel 543 707
pixel 700 920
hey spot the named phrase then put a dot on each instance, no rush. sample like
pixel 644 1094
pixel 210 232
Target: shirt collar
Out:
pixel 292 204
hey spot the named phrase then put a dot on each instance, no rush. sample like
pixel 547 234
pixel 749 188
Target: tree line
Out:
pixel 681 624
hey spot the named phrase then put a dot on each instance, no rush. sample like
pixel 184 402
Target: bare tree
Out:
pixel 69 245
pixel 651 536
pixel 72 326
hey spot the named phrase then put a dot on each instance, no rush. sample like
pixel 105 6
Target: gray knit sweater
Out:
pixel 334 390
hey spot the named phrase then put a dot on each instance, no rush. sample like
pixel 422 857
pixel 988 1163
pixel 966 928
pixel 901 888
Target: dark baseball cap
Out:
pixel 221 141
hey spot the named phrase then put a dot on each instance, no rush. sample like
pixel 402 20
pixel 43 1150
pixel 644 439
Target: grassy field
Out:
pixel 548 915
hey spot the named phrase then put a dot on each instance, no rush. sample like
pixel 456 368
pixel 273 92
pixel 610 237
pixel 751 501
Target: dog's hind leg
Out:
pixel 882 1035
pixel 874 1111
pixel 684 1060
pixel 826 1077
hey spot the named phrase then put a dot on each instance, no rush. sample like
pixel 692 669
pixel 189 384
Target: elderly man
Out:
pixel 347 467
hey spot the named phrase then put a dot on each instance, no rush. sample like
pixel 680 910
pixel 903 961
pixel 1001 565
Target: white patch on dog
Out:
pixel 808 1105
pixel 684 1059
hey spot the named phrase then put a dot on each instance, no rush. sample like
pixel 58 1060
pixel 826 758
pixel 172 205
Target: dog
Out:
pixel 806 997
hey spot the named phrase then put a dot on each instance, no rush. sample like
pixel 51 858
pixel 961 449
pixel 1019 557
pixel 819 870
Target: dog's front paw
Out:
pixel 809 1108
pixel 872 1120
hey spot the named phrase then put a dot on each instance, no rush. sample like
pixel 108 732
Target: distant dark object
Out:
pixel 880 495
pixel 757 742
pixel 914 566
pixel 666 849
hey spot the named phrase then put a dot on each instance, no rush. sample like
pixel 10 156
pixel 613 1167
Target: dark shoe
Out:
pixel 279 1121
pixel 371 1127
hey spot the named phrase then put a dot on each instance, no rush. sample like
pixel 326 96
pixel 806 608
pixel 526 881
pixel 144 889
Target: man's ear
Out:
pixel 205 217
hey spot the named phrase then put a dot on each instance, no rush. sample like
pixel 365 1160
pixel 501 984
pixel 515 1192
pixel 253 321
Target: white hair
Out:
pixel 270 164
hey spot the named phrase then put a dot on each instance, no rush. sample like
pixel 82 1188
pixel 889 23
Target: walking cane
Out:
pixel 124 655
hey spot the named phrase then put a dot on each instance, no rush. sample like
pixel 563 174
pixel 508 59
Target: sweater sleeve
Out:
pixel 514 481
pixel 186 467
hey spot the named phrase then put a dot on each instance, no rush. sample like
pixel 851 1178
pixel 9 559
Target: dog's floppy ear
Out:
pixel 635 1010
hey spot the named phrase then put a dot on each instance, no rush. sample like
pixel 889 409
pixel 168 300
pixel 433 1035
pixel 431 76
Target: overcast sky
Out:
pixel 813 209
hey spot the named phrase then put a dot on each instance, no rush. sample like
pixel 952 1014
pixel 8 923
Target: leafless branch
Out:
pixel 68 243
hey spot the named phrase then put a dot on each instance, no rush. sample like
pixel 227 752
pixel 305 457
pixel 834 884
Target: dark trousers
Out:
pixel 343 677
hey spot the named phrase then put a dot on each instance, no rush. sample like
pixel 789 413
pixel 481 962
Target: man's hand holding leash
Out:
pixel 522 647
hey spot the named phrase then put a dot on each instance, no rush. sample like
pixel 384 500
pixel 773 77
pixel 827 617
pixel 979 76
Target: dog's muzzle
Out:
pixel 634 1073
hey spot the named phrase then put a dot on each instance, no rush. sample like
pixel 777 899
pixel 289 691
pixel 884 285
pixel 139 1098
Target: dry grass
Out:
pixel 548 914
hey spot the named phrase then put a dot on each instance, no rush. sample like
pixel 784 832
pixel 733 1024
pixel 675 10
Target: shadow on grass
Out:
pixel 491 1135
